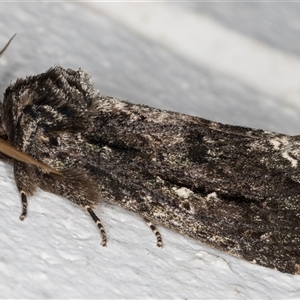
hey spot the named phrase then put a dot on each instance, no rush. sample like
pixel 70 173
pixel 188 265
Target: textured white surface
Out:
pixel 196 37
pixel 56 252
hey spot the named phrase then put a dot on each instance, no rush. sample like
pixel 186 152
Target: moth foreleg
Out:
pixel 99 224
pixel 24 206
pixel 25 184
pixel 159 242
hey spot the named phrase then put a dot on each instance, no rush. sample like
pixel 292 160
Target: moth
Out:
pixel 233 188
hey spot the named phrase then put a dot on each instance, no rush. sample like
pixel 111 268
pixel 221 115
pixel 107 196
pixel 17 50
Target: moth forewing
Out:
pixel 233 188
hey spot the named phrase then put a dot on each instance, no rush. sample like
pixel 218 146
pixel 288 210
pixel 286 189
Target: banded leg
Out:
pixel 24 206
pixel 159 242
pixel 25 184
pixel 98 223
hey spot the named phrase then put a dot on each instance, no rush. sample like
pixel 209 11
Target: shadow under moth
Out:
pixel 233 188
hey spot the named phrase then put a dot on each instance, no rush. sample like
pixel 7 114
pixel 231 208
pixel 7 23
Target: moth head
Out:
pixel 59 99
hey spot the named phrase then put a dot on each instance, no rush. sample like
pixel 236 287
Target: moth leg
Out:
pixel 99 224
pixel 24 206
pixel 159 242
pixel 26 186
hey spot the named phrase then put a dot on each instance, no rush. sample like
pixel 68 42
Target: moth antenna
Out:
pixel 13 152
pixel 3 50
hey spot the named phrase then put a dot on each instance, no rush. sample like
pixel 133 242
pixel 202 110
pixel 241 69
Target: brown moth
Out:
pixel 234 188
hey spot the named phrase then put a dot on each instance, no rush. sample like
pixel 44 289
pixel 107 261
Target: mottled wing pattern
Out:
pixel 233 188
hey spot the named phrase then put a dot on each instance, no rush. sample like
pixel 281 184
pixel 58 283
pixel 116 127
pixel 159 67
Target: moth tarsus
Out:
pixel 99 224
pixel 24 206
pixel 234 188
pixel 159 242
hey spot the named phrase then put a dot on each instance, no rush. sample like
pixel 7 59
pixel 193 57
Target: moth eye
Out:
pixel 53 141
pixel 49 140
pixel 186 205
